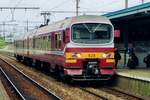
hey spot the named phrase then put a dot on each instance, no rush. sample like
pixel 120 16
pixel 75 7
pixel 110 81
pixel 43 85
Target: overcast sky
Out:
pixel 58 5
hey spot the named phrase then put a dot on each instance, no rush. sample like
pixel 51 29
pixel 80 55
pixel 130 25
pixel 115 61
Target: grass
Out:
pixel 2 43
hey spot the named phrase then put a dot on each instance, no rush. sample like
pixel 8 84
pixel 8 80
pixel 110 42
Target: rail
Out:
pixel 12 84
pixel 31 80
pixel 101 97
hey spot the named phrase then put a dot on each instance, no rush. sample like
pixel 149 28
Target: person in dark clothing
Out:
pixel 117 56
pixel 133 61
pixel 130 51
pixel 147 60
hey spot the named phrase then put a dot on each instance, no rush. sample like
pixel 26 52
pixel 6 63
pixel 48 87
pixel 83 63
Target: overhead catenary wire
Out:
pixel 13 10
pixel 101 3
pixel 61 11
pixel 60 4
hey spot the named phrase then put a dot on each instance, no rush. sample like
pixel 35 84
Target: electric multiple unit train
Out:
pixel 80 48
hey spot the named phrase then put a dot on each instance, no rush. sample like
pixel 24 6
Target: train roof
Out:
pixel 63 24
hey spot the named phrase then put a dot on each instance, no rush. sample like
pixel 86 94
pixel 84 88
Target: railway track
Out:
pixel 108 93
pixel 12 85
pixel 78 92
pixel 25 87
pixel 123 94
pixel 99 96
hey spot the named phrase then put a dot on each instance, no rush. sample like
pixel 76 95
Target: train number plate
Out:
pixel 92 55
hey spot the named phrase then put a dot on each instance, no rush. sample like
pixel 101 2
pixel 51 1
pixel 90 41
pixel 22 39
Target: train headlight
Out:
pixel 76 55
pixel 106 55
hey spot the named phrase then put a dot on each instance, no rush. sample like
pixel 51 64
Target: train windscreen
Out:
pixel 91 33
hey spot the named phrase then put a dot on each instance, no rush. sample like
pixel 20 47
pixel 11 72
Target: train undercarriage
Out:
pixel 90 71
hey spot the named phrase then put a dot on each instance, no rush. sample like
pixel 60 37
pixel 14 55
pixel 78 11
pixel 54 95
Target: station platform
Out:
pixel 140 74
pixel 3 93
pixel 134 81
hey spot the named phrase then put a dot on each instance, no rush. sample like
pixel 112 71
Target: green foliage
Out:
pixel 2 43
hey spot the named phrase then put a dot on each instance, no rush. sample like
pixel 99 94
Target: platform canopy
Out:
pixel 143 9
pixel 133 23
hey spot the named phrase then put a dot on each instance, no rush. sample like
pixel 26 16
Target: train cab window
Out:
pixel 92 33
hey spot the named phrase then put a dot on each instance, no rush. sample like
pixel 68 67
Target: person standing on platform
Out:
pixel 133 61
pixel 147 60
pixel 117 56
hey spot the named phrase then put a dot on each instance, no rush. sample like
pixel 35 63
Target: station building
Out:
pixel 133 26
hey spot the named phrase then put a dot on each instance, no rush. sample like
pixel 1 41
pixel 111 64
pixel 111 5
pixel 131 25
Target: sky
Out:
pixel 35 19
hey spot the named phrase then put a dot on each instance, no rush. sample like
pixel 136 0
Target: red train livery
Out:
pixel 80 48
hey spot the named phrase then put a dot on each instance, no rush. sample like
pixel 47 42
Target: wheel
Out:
pixel 38 65
pixel 30 61
pixel 18 58
pixel 50 69
pixel 62 75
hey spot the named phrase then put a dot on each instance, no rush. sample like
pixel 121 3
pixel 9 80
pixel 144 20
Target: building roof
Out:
pixel 128 11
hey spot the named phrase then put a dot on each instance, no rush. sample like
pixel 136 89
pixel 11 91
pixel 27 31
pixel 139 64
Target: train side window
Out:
pixel 17 43
pixel 33 42
pixel 30 43
pixel 64 36
pixel 59 40
pixel 49 42
pixel 44 43
pixel 23 43
pixel 41 39
pixel 36 43
pixel 39 43
pixel 56 41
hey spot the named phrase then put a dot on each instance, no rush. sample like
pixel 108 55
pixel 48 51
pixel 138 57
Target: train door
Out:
pixel 52 41
pixel 58 40
pixel 34 48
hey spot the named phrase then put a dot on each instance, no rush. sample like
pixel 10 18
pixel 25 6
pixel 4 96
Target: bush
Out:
pixel 2 43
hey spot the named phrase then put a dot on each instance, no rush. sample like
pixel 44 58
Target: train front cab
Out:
pixel 90 52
